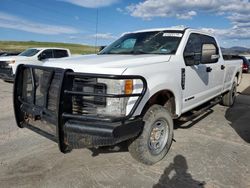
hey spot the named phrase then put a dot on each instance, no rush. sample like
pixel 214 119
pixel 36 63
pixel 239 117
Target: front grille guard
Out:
pixel 24 110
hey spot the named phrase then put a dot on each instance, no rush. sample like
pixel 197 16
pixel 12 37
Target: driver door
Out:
pixel 198 77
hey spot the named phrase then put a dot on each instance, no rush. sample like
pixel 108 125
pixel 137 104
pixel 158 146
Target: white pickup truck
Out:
pixel 131 91
pixel 34 56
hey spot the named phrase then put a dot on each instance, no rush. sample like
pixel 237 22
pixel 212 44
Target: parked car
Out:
pixel 245 64
pixel 35 56
pixel 1 53
pixel 9 54
pixel 131 91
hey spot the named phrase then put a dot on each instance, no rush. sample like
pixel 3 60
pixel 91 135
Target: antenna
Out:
pixel 96 29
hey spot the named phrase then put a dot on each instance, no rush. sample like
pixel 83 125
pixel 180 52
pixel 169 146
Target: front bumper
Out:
pixel 54 117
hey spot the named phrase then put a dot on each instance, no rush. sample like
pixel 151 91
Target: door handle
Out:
pixel 222 67
pixel 209 69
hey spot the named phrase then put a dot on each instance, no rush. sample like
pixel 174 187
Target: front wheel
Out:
pixel 156 138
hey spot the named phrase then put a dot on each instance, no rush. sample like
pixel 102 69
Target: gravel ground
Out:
pixel 211 151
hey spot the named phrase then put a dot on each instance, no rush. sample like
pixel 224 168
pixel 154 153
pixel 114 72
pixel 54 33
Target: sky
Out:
pixel 84 21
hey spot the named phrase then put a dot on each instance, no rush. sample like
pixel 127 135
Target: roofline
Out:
pixel 160 29
pixel 181 29
pixel 45 48
pixel 200 31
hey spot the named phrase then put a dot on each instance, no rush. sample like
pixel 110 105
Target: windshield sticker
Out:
pixel 172 35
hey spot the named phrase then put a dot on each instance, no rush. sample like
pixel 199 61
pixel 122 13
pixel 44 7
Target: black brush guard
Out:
pixel 6 71
pixel 43 103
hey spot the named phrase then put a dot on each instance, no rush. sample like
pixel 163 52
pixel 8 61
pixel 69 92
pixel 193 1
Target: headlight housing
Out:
pixel 10 62
pixel 119 106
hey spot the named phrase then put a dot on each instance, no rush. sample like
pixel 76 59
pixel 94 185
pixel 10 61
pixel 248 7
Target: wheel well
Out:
pixel 164 98
pixel 237 76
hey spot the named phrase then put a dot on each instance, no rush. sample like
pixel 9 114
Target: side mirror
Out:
pixel 101 48
pixel 192 58
pixel 41 57
pixel 209 54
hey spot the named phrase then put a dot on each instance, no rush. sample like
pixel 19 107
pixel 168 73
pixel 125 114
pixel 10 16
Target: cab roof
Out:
pixel 176 28
pixel 48 48
pixel 162 29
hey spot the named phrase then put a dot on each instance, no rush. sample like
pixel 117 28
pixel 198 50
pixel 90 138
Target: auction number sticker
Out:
pixel 172 35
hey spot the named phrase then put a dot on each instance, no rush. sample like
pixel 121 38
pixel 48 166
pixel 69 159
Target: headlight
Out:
pixel 11 62
pixel 118 107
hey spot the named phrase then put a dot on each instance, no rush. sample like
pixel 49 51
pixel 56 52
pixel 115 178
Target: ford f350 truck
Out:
pixel 35 56
pixel 131 91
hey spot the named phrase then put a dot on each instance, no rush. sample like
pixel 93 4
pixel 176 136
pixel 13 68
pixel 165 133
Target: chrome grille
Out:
pixel 87 104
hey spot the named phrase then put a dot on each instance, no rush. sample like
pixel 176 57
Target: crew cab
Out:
pixel 130 92
pixel 36 56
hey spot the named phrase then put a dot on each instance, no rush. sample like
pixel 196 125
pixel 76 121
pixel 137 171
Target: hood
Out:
pixel 16 58
pixel 109 64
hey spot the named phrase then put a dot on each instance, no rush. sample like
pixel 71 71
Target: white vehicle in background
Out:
pixel 34 56
pixel 131 91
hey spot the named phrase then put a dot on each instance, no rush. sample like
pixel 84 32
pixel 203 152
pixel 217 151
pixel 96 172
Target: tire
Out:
pixel 229 98
pixel 156 138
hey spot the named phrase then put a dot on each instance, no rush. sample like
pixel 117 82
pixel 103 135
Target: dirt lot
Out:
pixel 211 151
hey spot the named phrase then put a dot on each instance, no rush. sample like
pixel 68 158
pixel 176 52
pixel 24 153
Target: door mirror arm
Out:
pixel 41 57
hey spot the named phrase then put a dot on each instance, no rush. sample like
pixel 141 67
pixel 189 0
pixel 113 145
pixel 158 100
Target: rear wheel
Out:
pixel 156 138
pixel 229 98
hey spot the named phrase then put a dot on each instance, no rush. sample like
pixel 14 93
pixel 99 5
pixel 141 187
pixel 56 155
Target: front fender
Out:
pixel 158 81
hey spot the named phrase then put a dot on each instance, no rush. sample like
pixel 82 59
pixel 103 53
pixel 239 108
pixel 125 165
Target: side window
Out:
pixel 47 54
pixel 192 52
pixel 60 53
pixel 201 49
pixel 128 44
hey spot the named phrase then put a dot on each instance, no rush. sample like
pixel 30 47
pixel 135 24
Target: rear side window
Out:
pixel 60 53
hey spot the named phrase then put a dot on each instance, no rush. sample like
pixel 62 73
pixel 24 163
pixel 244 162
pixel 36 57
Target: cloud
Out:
pixel 120 10
pixel 72 37
pixel 102 36
pixel 234 33
pixel 187 15
pixel 239 18
pixel 185 9
pixel 13 22
pixel 236 11
pixel 91 3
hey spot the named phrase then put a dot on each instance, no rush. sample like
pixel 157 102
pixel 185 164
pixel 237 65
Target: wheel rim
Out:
pixel 158 136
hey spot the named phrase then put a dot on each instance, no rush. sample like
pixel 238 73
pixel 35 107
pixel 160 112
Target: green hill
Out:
pixel 19 46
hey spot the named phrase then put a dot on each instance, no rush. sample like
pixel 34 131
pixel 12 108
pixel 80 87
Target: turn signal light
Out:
pixel 128 87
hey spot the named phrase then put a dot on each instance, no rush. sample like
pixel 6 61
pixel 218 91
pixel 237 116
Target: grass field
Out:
pixel 19 46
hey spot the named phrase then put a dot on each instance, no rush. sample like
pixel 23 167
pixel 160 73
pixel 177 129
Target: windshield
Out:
pixel 29 52
pixel 157 42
